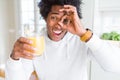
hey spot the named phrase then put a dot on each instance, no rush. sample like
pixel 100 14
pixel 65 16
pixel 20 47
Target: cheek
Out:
pixel 49 28
pixel 50 23
pixel 49 31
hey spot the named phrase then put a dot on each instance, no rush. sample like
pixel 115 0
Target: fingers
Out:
pixel 68 10
pixel 24 44
pixel 64 22
pixel 70 14
pixel 24 40
pixel 27 47
pixel 16 55
pixel 22 48
pixel 26 54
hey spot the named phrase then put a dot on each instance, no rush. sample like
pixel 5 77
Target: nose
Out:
pixel 58 26
pixel 60 23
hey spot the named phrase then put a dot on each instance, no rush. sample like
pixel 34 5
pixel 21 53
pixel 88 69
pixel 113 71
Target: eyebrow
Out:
pixel 56 12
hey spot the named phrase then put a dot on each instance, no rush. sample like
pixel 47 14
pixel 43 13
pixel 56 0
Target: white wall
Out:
pixel 6 24
pixel 3 27
pixel 109 4
pixel 88 13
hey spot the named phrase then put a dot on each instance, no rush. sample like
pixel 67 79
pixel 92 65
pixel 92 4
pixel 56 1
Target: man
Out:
pixel 68 46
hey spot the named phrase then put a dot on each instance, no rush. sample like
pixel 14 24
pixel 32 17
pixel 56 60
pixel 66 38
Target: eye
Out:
pixel 53 18
pixel 67 21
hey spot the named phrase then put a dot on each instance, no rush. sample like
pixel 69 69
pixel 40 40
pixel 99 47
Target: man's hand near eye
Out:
pixel 71 21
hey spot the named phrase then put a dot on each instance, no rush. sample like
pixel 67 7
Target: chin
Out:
pixel 56 40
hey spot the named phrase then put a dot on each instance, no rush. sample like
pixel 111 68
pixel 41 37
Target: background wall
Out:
pixel 7 28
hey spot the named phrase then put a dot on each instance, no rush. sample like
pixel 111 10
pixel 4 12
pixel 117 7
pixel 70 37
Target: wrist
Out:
pixel 13 57
pixel 86 36
pixel 82 32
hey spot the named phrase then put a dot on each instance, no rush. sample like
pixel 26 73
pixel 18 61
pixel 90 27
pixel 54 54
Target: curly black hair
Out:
pixel 45 6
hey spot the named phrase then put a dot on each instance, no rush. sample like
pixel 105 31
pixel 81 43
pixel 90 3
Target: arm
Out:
pixel 107 55
pixel 19 66
pixel 18 70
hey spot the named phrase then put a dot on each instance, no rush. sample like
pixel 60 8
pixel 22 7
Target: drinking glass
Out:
pixel 37 38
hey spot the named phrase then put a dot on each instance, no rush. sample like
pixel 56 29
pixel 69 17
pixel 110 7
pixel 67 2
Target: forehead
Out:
pixel 55 9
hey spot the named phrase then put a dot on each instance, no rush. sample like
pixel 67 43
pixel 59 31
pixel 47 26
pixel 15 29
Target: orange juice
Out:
pixel 39 44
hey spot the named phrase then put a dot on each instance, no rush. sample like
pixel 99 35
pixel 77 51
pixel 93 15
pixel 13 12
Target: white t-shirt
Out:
pixel 66 60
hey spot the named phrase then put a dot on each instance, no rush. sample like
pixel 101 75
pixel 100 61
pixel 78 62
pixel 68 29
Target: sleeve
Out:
pixel 18 70
pixel 107 55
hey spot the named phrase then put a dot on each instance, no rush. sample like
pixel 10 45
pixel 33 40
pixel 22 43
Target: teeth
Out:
pixel 57 32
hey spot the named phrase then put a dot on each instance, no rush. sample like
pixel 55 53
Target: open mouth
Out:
pixel 57 32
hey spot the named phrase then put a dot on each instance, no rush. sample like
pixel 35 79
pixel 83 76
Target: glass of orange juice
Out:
pixel 38 43
pixel 37 38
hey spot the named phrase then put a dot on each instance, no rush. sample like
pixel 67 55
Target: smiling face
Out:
pixel 54 24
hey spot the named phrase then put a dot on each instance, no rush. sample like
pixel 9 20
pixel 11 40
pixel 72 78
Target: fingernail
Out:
pixel 30 42
pixel 35 49
pixel 60 9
